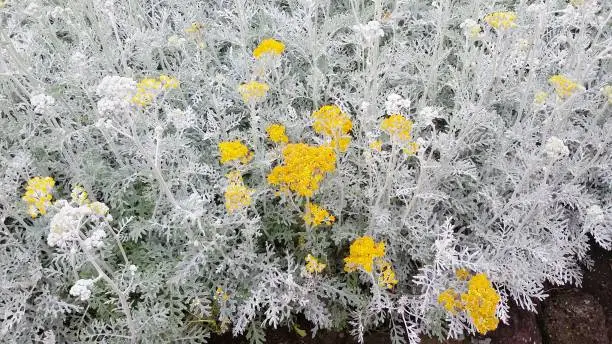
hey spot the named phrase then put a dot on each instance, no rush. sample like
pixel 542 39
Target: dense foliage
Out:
pixel 176 168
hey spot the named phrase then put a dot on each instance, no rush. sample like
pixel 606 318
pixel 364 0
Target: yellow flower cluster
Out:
pixel 253 91
pixel 564 87
pixel 386 278
pixel 234 150
pixel 303 169
pixel 313 265
pixel 220 294
pixel 330 121
pixel 237 195
pixel 362 253
pixel 194 28
pixel 38 195
pixel 276 133
pixel 316 215
pixel 268 47
pixel 607 92
pixel 501 20
pixel 79 195
pixel 449 299
pixel 480 302
pixel 463 274
pixel 376 145
pixel 540 97
pixel 148 88
pixel 398 127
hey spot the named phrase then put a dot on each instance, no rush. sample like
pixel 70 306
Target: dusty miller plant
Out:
pixel 508 174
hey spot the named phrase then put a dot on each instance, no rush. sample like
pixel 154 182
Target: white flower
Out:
pixel 182 119
pixel 471 29
pixel 95 239
pixel 116 93
pixel 81 289
pixel 42 103
pixel 395 104
pixel 595 214
pixel 370 31
pixel 65 225
pixel 427 115
pixel 132 268
pixel 555 148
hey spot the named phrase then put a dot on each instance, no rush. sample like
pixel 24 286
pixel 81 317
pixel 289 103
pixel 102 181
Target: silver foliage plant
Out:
pixel 512 177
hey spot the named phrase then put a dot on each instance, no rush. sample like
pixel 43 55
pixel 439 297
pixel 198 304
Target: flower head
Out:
pixel 149 88
pixel 501 20
pixel 316 215
pixel 276 133
pixel 38 195
pixel 237 195
pixel 313 265
pixel 471 29
pixel 253 91
pixel 268 47
pixel 398 127
pixel 480 303
pixel 332 122
pixel 449 299
pixel 81 289
pixel 234 150
pixel 386 278
pixel 564 87
pixel 303 168
pixel 463 274
pixel 362 253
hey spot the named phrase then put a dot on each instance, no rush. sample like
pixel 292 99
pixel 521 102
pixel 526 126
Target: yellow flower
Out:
pixel 148 88
pixel 411 148
pixel 386 279
pixel 449 299
pixel 501 20
pixel 79 195
pixel 313 265
pixel 253 91
pixel 237 195
pixel 564 87
pixel 168 82
pixel 607 92
pixel 221 295
pixel 268 47
pixel 330 121
pixel 376 145
pixel 480 303
pixel 463 274
pixel 577 3
pixel 303 169
pixel 315 215
pixel 234 150
pixel 38 195
pixel 98 208
pixel 276 133
pixel 362 253
pixel 194 28
pixel 398 127
pixel 540 97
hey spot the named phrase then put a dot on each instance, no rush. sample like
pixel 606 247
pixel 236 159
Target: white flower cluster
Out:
pixel 42 103
pixel 66 224
pixel 115 93
pixel 370 31
pixel 396 104
pixel 471 29
pixel 555 148
pixel 81 289
pixel 182 119
pixel 95 239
